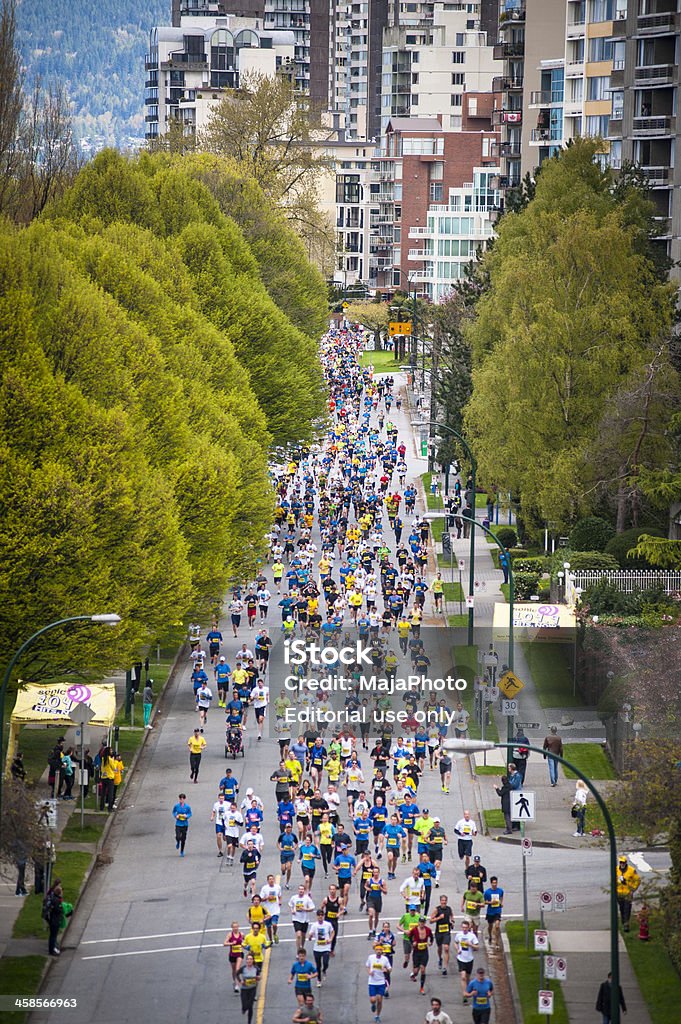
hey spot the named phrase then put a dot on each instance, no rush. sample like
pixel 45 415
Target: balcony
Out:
pixel 546 98
pixel 501 83
pixel 426 232
pixel 420 254
pixel 422 275
pixel 150 63
pixel 655 74
pixel 658 177
pixel 503 51
pixel 381 262
pixel 187 61
pixel 657 24
pixel 575 29
pixel 653 126
pixel 545 137
pixel 507 117
pixel 505 149
pixel 512 17
pixel 377 221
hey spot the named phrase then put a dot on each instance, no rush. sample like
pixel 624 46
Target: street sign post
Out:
pixel 522 805
pixel 82 714
pixel 561 969
pixel 545 1004
pixel 490 693
pixel 526 846
pixel 510 684
pixel 560 902
pixel 550 967
pixel 546 901
pixel 541 940
pixel 509 707
pixel 470 601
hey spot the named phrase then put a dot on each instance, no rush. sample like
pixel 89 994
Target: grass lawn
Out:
pixel 526 970
pixel 457 621
pixel 35 743
pixel 480 500
pixel 383 361
pixel 658 980
pixel 489 769
pixel 494 818
pixel 550 667
pixel 454 592
pixel 20 976
pixel 590 758
pixel 505 590
pixel 466 663
pixel 94 826
pixel 494 528
pixel 437 528
pixel 432 502
pixel 70 866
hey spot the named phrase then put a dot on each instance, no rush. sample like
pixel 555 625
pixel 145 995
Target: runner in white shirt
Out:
pixel 218 816
pixel 234 822
pixel 264 598
pixel 465 943
pixel 204 696
pixel 465 829
pixel 247 801
pixel 301 906
pixel 321 936
pixel 378 969
pixel 436 1015
pixel 354 778
pixel 347 746
pixel 333 800
pixel 270 894
pixel 257 837
pixel 413 890
pixel 260 698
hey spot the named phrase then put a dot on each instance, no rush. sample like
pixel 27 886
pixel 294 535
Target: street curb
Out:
pixel 110 819
pixel 510 973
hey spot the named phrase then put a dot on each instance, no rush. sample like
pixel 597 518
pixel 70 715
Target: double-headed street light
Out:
pixel 473 746
pixel 107 618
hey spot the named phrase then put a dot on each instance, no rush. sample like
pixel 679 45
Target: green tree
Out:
pixel 572 317
pixel 375 316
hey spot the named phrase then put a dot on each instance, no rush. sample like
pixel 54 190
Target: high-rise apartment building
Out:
pixel 189 66
pixel 433 54
pixel 354 72
pixel 644 87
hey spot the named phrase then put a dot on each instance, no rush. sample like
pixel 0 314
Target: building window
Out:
pixel 457 99
pixel 436 192
pixel 437 170
pixel 600 49
pixel 597 126
pixel 601 10
pixel 459 39
pixel 414 100
pixel 458 78
pixel 455 121
pixel 598 88
pixel 459 57
pixel 472 106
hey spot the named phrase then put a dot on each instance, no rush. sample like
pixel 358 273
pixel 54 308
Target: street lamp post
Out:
pixel 110 619
pixel 511 600
pixel 472 746
pixel 474 469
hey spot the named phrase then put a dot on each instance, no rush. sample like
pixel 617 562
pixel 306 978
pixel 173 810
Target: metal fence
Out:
pixel 626 580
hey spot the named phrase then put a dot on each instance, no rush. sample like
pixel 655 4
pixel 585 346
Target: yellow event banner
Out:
pixel 535 620
pixel 53 703
pixel 399 327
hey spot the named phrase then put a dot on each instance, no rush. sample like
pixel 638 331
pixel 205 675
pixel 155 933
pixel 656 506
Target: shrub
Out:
pixel 591 560
pixel 516 553
pixel 621 543
pixel 533 564
pixel 590 534
pixel 525 584
pixel 507 536
pixel 653 605
pixel 545 590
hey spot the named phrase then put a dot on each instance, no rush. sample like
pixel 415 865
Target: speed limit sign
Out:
pixel 509 707
pixel 546 1003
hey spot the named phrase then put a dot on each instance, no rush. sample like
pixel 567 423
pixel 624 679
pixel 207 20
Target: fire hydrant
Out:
pixel 643 928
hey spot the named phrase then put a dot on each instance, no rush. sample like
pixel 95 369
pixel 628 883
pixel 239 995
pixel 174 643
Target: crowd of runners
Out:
pixel 347 566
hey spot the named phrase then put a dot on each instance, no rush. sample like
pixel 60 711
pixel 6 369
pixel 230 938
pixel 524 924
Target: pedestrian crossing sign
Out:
pixel 510 685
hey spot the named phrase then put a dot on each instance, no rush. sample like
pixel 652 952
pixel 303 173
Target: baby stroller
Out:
pixel 234 742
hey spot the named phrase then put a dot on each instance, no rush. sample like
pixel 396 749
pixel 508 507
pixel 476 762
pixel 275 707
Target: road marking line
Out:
pixel 197 931
pixel 208 945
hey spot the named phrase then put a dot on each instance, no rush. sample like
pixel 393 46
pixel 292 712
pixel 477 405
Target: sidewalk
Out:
pixel 575 934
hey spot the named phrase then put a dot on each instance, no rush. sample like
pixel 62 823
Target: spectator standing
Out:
pixel 147 704
pixel 521 753
pixel 579 806
pixel 553 746
pixel 628 881
pixel 504 793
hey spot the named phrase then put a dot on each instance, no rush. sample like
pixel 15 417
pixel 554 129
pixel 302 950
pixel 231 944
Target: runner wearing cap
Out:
pixel 378 969
pixel 222 673
pixel 481 988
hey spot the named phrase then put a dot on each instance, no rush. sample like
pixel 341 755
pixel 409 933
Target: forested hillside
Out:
pixel 96 48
